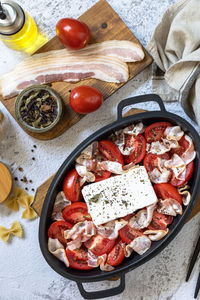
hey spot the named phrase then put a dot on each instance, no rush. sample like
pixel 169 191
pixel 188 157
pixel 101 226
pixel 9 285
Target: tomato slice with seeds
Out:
pixel 71 186
pixel 151 160
pixel 101 175
pixel 166 190
pixel 189 170
pixel 111 151
pixel 155 131
pixel 99 245
pixel 76 212
pixel 117 254
pixel 139 145
pixel 78 259
pixel 159 221
pixel 127 234
pixel 56 230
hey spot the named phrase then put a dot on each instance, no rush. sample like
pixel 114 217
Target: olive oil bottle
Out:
pixel 18 29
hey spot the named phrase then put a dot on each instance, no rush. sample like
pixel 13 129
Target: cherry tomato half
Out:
pixel 139 145
pixel 85 99
pixel 76 212
pixel 159 221
pixel 78 259
pixel 116 255
pixel 189 170
pixel 99 245
pixel 166 190
pixel 111 151
pixel 71 186
pixel 72 33
pixel 56 230
pixel 155 131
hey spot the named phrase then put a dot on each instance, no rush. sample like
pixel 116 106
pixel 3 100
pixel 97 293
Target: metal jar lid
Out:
pixel 12 17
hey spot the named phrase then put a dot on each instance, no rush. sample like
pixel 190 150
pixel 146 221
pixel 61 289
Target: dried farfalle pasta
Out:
pixel 15 229
pixel 13 201
pixel 26 202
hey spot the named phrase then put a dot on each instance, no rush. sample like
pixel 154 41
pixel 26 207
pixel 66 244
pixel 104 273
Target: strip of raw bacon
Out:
pixel 57 249
pixel 50 68
pixel 174 133
pixel 127 51
pixel 86 229
pixel 110 230
pixel 140 245
pixel 169 207
pixel 143 217
pixel 95 261
pixel 60 203
pixel 156 235
pixel 186 195
pixel 189 155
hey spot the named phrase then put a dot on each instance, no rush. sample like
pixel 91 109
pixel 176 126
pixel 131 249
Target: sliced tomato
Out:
pixel 160 221
pixel 76 212
pixel 78 259
pixel 111 151
pixel 166 190
pixel 139 145
pixel 56 230
pixel 71 186
pixel 155 131
pixel 99 245
pixel 101 175
pixel 188 174
pixel 116 255
pixel 151 160
pixel 127 234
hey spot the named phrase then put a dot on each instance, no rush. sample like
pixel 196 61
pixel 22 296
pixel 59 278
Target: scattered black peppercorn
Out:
pixel 33 158
pixel 30 181
pixel 15 178
pixel 25 179
pixel 26 189
pixel 33 190
pixel 34 146
pixel 32 150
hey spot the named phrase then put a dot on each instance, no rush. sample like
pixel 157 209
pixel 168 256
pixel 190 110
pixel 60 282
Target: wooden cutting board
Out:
pixel 42 189
pixel 104 25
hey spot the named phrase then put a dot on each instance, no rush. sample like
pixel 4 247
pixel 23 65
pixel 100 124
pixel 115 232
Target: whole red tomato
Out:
pixel 85 99
pixel 72 33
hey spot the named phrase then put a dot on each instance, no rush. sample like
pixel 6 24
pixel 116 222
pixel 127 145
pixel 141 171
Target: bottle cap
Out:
pixel 12 17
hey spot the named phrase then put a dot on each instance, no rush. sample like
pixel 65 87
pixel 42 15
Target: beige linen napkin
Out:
pixel 175 47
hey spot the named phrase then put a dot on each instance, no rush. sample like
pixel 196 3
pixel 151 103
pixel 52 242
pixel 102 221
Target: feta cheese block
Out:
pixel 119 195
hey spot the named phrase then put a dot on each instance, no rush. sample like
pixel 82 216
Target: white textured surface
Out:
pixel 24 273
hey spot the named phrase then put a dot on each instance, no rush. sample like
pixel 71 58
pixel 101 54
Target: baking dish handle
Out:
pixel 104 293
pixel 139 99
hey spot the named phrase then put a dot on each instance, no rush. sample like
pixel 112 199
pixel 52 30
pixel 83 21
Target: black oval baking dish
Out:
pixel 134 260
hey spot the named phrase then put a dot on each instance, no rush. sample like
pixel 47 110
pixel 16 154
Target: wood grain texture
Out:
pixel 5 182
pixel 113 28
pixel 42 189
